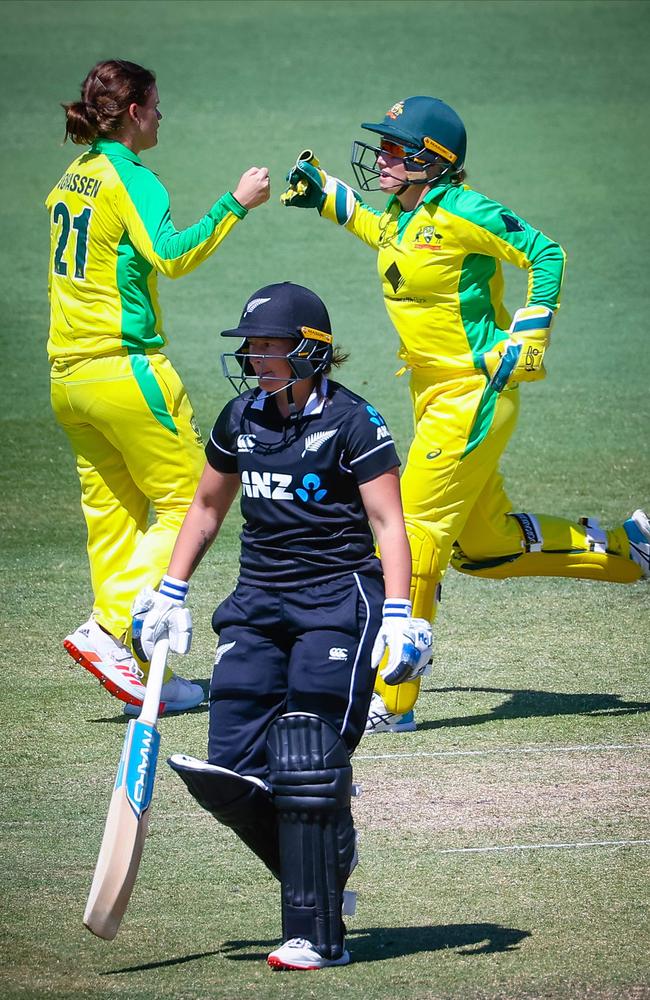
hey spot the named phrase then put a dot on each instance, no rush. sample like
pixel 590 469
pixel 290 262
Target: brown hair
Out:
pixel 106 94
pixel 339 357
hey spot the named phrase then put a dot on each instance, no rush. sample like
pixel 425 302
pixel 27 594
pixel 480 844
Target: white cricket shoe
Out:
pixel 380 720
pixel 177 695
pixel 300 954
pixel 108 659
pixel 637 529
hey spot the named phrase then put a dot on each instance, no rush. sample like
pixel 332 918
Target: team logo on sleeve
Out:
pixel 314 441
pixel 197 430
pixel 511 224
pixel 379 422
pixel 245 442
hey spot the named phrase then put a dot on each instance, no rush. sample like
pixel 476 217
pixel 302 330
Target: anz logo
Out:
pixel 379 422
pixel 269 485
pixel 276 486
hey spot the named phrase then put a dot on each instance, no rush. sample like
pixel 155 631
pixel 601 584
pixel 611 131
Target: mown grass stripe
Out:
pixel 543 847
pixel 587 748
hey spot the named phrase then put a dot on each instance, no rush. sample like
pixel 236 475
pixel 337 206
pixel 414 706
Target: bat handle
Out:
pixel 151 703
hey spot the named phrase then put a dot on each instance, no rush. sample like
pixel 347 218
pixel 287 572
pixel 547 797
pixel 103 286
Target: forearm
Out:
pixel 198 531
pixel 214 496
pixel 395 557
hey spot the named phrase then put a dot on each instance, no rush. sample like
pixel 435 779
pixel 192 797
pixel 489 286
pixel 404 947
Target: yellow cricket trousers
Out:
pixel 138 449
pixel 454 500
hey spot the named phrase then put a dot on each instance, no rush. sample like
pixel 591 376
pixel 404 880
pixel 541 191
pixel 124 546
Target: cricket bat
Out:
pixel 128 813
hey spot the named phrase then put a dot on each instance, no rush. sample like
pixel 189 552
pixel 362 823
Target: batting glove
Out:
pixel 161 612
pixel 306 183
pixel 520 358
pixel 406 640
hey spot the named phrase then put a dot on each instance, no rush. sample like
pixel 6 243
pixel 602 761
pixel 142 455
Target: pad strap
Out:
pixel 595 537
pixel 242 802
pixel 311 781
pixel 531 531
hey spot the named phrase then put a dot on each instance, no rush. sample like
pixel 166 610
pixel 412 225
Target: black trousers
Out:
pixel 302 650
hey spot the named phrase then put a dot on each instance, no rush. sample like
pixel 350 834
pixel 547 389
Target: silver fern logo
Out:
pixel 314 441
pixel 221 650
pixel 253 304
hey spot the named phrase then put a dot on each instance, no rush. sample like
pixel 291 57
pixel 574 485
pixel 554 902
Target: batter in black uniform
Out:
pixel 313 614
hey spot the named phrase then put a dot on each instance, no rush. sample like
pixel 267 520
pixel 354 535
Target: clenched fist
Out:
pixel 254 187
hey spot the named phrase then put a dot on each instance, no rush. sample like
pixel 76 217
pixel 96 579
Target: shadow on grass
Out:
pixel 166 963
pixel 375 944
pixel 199 710
pixel 526 704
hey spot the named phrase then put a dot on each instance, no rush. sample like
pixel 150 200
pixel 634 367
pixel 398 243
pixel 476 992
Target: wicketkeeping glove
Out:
pixel 520 358
pixel 306 183
pixel 407 640
pixel 159 613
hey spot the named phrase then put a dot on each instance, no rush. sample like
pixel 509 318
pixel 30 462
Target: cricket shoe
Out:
pixel 300 954
pixel 380 720
pixel 177 695
pixel 107 659
pixel 637 529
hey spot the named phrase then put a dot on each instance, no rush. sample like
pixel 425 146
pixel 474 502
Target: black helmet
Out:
pixel 427 129
pixel 283 310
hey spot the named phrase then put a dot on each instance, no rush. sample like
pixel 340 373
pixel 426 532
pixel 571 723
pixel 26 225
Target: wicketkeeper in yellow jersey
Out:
pixel 439 251
pixel 119 400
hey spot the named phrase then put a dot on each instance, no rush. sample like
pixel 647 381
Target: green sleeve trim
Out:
pixel 151 391
pixel 227 203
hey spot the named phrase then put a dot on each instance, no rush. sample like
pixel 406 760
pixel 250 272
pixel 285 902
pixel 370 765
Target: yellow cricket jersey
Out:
pixel 111 233
pixel 440 268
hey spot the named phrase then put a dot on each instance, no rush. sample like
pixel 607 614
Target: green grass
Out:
pixel 555 98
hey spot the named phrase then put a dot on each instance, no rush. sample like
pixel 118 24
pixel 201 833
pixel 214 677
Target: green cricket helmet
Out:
pixel 418 130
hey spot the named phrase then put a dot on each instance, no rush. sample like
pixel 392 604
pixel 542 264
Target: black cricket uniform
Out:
pixel 298 630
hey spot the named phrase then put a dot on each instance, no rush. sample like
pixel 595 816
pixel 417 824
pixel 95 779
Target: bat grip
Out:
pixel 151 703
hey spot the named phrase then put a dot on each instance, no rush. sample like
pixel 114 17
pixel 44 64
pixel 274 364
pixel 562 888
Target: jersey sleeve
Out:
pixel 496 231
pixel 344 206
pixel 145 212
pixel 221 449
pixel 369 448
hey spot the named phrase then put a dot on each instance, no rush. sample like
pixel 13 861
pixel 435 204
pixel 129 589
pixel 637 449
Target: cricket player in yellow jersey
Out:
pixel 439 251
pixel 116 395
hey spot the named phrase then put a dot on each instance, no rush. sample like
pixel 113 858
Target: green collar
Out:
pixel 113 148
pixel 432 195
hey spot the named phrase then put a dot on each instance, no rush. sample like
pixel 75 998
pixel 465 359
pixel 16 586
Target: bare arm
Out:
pixel 383 505
pixel 212 501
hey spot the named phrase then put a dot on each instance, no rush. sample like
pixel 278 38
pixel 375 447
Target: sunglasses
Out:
pixel 395 149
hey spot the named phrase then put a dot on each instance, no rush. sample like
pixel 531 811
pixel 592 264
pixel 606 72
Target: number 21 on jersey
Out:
pixel 80 223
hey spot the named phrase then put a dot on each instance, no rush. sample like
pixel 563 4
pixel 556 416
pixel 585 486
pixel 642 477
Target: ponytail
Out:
pixel 106 95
